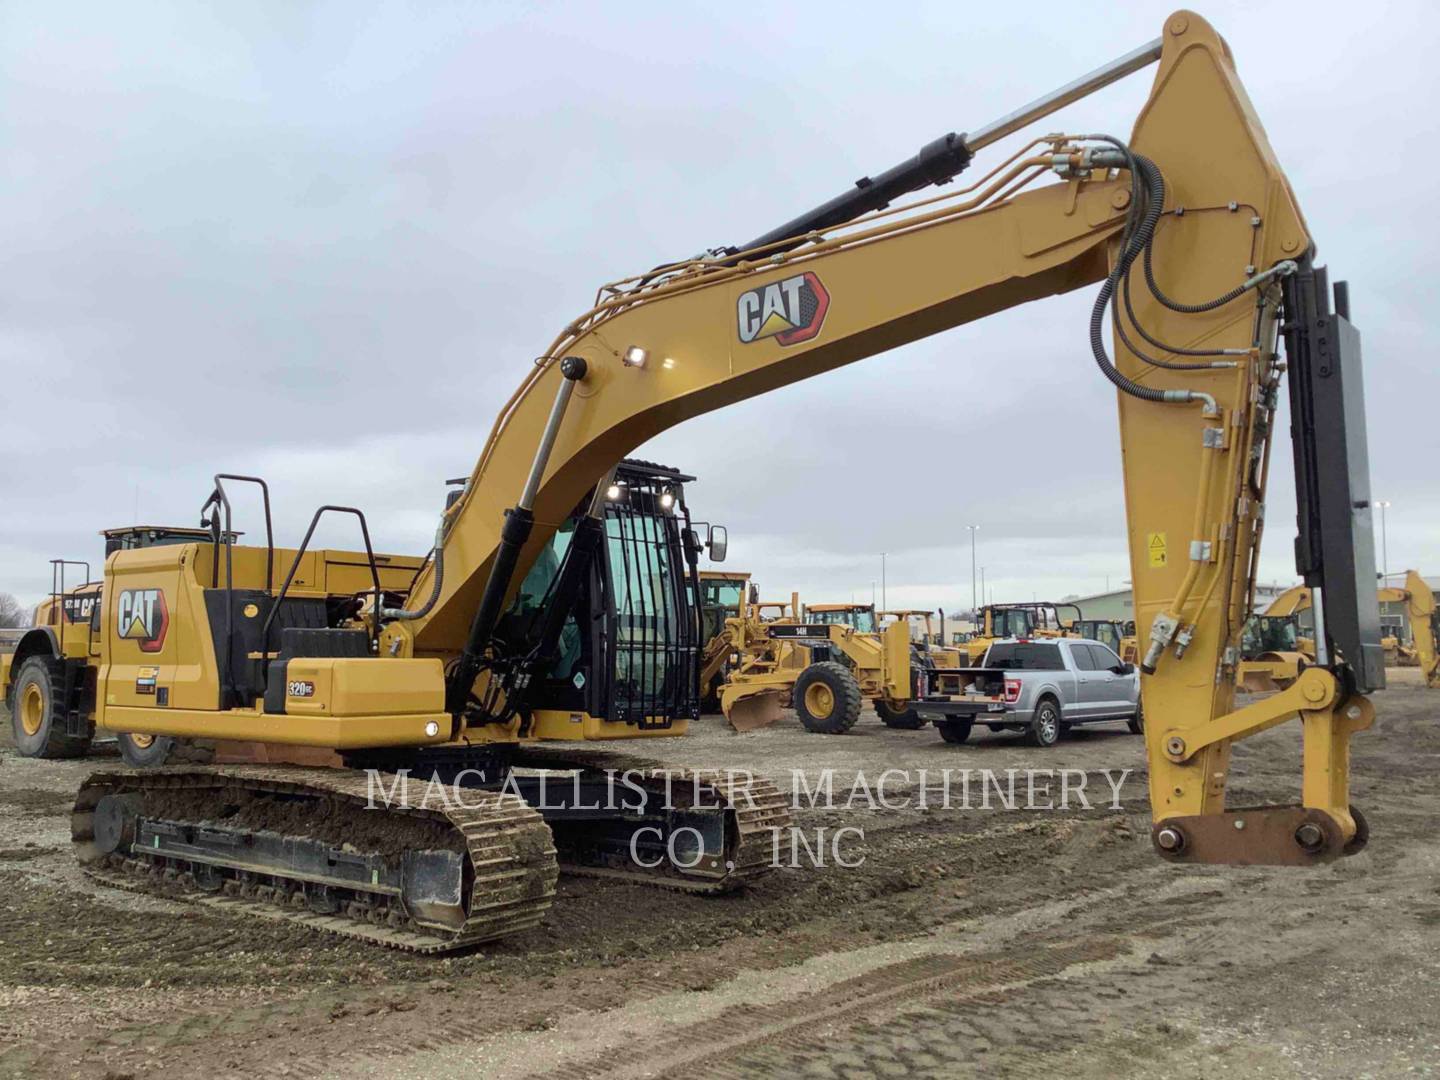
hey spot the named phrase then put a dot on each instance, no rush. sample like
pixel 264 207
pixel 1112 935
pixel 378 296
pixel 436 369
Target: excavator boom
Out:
pixel 1192 228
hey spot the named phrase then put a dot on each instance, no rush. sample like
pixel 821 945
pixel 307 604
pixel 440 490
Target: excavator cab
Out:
pixel 722 594
pixel 629 645
pixel 1269 634
pixel 859 617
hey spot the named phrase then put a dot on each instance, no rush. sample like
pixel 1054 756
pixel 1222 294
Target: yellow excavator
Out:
pixel 1422 622
pixel 334 691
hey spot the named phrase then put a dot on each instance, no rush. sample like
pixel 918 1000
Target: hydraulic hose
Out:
pixel 1139 232
pixel 438 552
pixel 1176 349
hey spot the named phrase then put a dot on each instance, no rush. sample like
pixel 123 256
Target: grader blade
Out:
pixel 753 711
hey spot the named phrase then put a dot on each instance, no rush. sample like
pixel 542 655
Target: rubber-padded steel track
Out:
pixel 509 848
pixel 758 834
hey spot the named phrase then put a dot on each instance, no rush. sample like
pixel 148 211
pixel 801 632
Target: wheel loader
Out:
pixel 1035 619
pixel 335 687
pixel 1109 633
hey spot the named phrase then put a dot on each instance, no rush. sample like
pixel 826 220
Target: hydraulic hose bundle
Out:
pixel 1137 242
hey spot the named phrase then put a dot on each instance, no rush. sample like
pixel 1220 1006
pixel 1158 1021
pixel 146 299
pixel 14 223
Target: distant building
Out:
pixel 1119 604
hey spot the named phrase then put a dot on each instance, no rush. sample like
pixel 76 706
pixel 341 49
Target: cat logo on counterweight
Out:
pixel 790 311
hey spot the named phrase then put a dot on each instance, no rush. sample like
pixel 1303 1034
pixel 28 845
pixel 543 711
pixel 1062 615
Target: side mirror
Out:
pixel 1124 669
pixel 719 543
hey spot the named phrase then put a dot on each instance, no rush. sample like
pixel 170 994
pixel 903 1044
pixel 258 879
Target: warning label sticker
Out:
pixel 1155 547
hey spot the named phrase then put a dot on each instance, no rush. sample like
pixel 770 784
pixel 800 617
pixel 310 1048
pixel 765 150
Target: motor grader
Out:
pixel 329 683
pixel 826 671
pixel 723 596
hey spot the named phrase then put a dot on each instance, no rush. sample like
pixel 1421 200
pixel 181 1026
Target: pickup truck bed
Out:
pixel 1042 686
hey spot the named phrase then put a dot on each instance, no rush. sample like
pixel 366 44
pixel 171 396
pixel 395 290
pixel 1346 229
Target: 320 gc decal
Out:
pixel 790 311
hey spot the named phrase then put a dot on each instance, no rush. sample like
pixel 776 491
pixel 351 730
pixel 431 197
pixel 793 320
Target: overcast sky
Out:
pixel 322 242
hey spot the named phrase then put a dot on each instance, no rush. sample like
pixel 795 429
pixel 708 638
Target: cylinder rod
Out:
pixel 941 160
pixel 1071 92
pixel 572 370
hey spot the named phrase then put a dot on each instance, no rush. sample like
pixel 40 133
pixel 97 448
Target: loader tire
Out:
pixel 37 713
pixel 827 698
pixel 907 719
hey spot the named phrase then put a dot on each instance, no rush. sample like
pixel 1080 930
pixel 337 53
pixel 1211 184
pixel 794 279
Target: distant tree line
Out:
pixel 12 612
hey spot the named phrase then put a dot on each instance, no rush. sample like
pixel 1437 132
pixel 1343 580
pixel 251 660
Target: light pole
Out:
pixel 982 581
pixel 1384 545
pixel 974 595
pixel 884 604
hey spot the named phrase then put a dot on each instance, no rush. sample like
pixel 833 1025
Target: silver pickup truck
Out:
pixel 1040 686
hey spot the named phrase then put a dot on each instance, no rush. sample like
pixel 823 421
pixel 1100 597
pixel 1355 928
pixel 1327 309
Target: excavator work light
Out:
pixel 635 356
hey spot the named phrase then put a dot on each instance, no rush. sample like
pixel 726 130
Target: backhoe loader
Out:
pixel 1273 652
pixel 1278 646
pixel 1203 261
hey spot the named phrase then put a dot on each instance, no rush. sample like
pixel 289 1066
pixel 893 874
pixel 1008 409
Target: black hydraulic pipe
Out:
pixel 938 162
pixel 941 161
pixel 519 521
pixel 518 524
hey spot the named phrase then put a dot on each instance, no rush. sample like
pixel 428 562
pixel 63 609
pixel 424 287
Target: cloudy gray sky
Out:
pixel 247 237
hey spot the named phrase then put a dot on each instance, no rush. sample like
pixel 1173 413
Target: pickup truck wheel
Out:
pixel 38 714
pixel 955 731
pixel 1045 727
pixel 1136 723
pixel 906 719
pixel 827 698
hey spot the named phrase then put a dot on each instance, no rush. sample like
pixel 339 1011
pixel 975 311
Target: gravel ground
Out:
pixel 1014 941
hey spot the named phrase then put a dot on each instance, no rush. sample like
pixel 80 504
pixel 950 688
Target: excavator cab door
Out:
pixel 649 633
